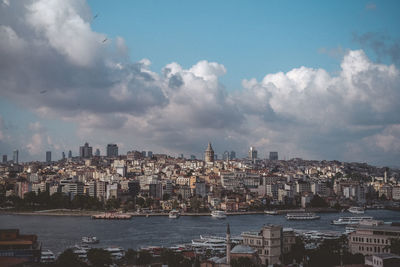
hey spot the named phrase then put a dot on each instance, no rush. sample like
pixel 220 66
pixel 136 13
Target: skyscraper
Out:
pixel 226 155
pixel 97 153
pixel 112 150
pixel 233 155
pixel 15 156
pixel 63 155
pixel 209 153
pixel 150 154
pixel 252 153
pixel 69 154
pixel 48 156
pixel 273 155
pixel 86 151
pixel 4 158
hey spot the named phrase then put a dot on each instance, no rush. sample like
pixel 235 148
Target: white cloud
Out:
pixel 35 145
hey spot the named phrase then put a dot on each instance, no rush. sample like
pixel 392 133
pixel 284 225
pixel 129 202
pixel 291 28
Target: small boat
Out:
pixel 356 210
pixel 174 214
pixel 351 220
pixel 117 253
pixel 47 256
pixel 271 212
pixel 219 214
pixel 302 216
pixel 90 240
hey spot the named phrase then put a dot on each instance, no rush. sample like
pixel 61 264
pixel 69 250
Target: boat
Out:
pixel 117 253
pixel 271 212
pixel 90 240
pixel 80 252
pixel 356 210
pixel 112 216
pixel 302 216
pixel 219 214
pixel 351 220
pixel 174 214
pixel 349 229
pixel 47 256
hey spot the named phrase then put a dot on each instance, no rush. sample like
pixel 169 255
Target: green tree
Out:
pixel 99 257
pixel 242 262
pixel 140 201
pixel 131 257
pixel 166 196
pixel 318 202
pixel 394 246
pixel 68 258
pixel 144 257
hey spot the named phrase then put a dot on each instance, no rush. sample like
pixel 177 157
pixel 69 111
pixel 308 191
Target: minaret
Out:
pixel 228 245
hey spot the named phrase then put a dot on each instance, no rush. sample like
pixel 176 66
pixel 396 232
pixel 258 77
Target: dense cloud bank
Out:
pixel 54 64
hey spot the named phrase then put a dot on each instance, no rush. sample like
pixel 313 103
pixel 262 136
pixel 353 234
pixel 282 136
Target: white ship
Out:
pixel 302 216
pixel 117 253
pixel 90 240
pixel 351 220
pixel 174 214
pixel 271 212
pixel 47 256
pixel 215 243
pixel 219 214
pixel 356 210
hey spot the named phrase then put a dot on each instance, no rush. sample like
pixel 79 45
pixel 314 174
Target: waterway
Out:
pixel 59 232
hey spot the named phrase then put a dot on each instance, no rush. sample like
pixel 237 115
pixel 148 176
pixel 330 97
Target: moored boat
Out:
pixel 351 220
pixel 47 256
pixel 219 214
pixel 356 210
pixel 90 240
pixel 271 212
pixel 174 214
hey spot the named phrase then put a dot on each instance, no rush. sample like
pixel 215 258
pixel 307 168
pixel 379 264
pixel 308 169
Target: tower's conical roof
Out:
pixel 209 147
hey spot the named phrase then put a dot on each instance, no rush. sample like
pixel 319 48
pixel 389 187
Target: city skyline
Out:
pixel 312 80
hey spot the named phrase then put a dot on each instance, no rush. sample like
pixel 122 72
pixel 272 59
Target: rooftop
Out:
pixel 242 249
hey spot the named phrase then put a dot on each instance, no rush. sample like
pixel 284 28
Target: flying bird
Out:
pixel 95 16
pixel 43 91
pixel 105 40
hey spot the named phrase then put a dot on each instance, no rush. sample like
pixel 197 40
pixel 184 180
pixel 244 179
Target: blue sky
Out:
pixel 311 79
pixel 251 38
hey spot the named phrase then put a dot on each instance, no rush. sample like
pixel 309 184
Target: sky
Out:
pixel 310 79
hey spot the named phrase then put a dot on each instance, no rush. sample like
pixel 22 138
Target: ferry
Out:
pixel 117 253
pixel 174 214
pixel 90 240
pixel 302 216
pixel 215 243
pixel 356 210
pixel 271 212
pixel 351 220
pixel 47 256
pixel 219 214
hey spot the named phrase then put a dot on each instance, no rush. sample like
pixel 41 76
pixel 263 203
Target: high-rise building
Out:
pixel 226 155
pixel 232 155
pixel 48 156
pixel 86 151
pixel 192 157
pixel 273 155
pixel 150 154
pixel 112 150
pixel 4 158
pixel 97 153
pixel 209 153
pixel 63 155
pixel 15 156
pixel 143 154
pixel 69 154
pixel 252 153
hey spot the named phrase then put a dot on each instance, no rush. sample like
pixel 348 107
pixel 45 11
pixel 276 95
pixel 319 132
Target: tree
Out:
pixel 68 258
pixel 140 201
pixel 394 246
pixel 318 202
pixel 99 257
pixel 166 196
pixel 131 257
pixel 144 257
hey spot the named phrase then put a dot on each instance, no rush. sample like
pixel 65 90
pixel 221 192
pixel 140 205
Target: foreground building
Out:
pixel 270 243
pixel 18 249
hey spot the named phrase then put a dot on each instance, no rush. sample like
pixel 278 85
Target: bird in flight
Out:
pixel 95 16
pixel 43 91
pixel 105 40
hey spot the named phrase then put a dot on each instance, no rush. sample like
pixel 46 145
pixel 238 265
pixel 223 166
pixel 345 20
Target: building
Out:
pixel 232 155
pixel 372 238
pixel 383 260
pixel 97 153
pixel 133 188
pixel 155 190
pixel 48 156
pixel 112 150
pixel 69 154
pixel 273 155
pixel 270 243
pixel 16 249
pixel 4 158
pixel 150 154
pixel 86 151
pixel 252 153
pixel 15 156
pixel 209 154
pixel 63 155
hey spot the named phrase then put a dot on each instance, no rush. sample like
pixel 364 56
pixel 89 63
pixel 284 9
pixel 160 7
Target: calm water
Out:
pixel 59 232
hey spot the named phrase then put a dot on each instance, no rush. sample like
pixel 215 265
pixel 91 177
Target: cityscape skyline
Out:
pixel 313 80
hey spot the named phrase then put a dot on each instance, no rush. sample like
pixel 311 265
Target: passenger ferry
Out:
pixel 47 256
pixel 356 210
pixel 174 214
pixel 271 212
pixel 351 220
pixel 117 253
pixel 219 214
pixel 215 243
pixel 302 216
pixel 90 240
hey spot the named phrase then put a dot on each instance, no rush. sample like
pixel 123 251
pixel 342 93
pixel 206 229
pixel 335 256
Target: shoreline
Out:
pixel 89 213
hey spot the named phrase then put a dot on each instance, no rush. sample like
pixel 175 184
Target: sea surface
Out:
pixel 60 232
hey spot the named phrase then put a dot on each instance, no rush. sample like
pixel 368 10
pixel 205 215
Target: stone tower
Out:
pixel 209 154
